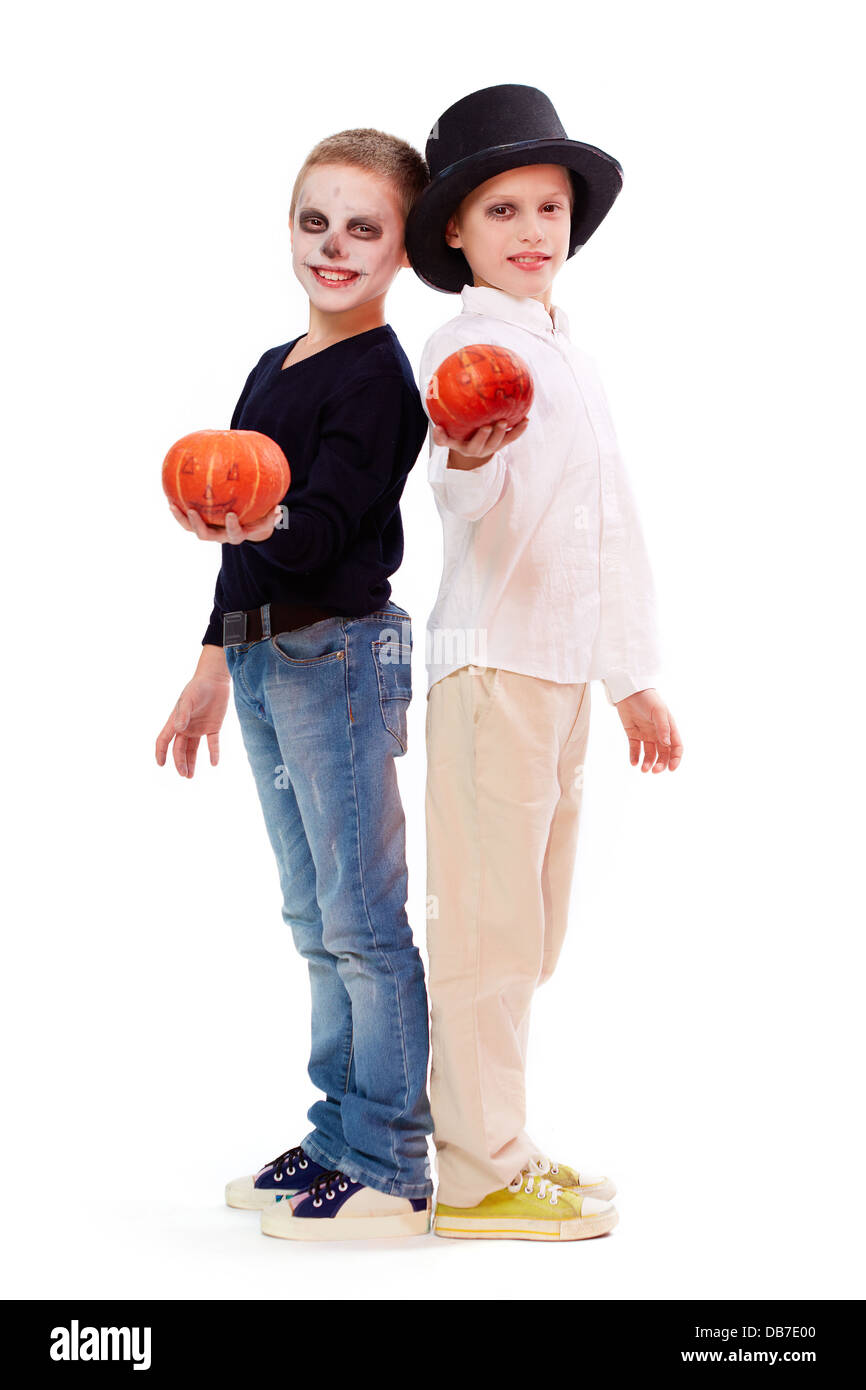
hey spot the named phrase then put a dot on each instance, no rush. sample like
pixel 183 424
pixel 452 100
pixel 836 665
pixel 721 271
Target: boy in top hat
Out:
pixel 546 586
pixel 304 628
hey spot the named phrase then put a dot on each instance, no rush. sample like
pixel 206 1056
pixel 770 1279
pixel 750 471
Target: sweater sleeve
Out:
pixel 465 492
pixel 361 451
pixel 214 635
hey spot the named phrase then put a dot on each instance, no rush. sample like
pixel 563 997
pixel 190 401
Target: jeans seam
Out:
pixel 386 699
pixel 399 1002
pixel 349 1063
pixel 238 673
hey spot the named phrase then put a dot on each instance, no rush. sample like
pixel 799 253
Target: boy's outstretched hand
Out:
pixel 230 534
pixel 647 719
pixel 481 445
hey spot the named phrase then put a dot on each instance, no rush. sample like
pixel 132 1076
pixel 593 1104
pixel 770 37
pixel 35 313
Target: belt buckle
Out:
pixel 234 628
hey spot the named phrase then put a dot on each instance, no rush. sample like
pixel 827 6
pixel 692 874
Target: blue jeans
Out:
pixel 323 716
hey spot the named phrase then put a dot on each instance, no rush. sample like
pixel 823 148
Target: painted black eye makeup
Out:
pixel 307 215
pixel 314 221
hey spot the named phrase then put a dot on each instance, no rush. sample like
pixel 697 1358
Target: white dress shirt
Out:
pixel 545 570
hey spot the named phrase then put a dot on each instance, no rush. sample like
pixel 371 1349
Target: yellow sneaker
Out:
pixel 530 1208
pixel 543 1167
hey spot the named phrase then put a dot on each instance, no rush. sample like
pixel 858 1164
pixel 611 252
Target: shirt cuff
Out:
pixel 620 684
pixel 467 492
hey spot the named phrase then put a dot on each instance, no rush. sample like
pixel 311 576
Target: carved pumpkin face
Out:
pixel 206 490
pixel 476 386
pixel 220 471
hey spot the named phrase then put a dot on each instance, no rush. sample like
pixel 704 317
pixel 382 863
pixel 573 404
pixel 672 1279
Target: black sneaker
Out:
pixel 336 1207
pixel 288 1173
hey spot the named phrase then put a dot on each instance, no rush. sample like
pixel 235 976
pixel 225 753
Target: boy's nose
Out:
pixel 332 248
pixel 531 231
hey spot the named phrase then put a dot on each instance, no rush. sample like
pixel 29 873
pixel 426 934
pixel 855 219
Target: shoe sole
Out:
pixel 277 1223
pixel 517 1228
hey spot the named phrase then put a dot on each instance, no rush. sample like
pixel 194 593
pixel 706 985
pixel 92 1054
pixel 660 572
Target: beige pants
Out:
pixel 505 756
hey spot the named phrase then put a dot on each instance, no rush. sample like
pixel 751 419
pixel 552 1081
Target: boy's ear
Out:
pixel 452 235
pixel 405 263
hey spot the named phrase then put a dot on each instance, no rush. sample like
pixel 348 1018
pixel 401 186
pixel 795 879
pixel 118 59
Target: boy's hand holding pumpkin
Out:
pixel 468 391
pixel 481 446
pixel 235 476
pixel 233 533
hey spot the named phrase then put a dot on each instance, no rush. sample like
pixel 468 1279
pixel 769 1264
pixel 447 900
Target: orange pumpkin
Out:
pixel 478 385
pixel 220 471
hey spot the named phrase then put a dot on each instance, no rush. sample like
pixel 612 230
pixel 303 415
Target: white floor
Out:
pixel 666 1249
pixel 678 1239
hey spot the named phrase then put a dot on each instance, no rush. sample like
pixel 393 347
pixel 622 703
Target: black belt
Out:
pixel 253 624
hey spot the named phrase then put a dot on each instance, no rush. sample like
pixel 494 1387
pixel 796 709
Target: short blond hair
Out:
pixel 377 153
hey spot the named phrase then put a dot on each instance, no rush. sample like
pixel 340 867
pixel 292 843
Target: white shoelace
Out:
pixel 539 1165
pixel 545 1188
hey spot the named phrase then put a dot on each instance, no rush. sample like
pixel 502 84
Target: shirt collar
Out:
pixel 527 313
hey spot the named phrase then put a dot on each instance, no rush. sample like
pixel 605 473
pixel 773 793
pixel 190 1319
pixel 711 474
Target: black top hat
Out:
pixel 484 134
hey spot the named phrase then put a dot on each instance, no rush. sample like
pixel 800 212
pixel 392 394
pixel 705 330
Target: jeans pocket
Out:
pixel 393 662
pixel 310 646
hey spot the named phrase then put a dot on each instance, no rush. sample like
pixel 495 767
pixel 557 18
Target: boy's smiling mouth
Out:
pixel 333 275
pixel 529 260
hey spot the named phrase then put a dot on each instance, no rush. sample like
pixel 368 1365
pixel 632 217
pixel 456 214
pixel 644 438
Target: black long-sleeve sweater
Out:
pixel 350 421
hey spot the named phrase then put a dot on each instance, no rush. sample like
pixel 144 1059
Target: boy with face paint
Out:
pixel 545 587
pixel 304 629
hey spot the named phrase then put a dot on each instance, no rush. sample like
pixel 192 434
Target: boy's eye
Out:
pixel 503 208
pixel 313 223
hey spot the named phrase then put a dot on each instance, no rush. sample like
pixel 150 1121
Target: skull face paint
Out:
pixel 347 237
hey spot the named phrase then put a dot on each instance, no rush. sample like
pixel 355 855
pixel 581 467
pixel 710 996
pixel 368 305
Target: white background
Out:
pixel 702 1038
